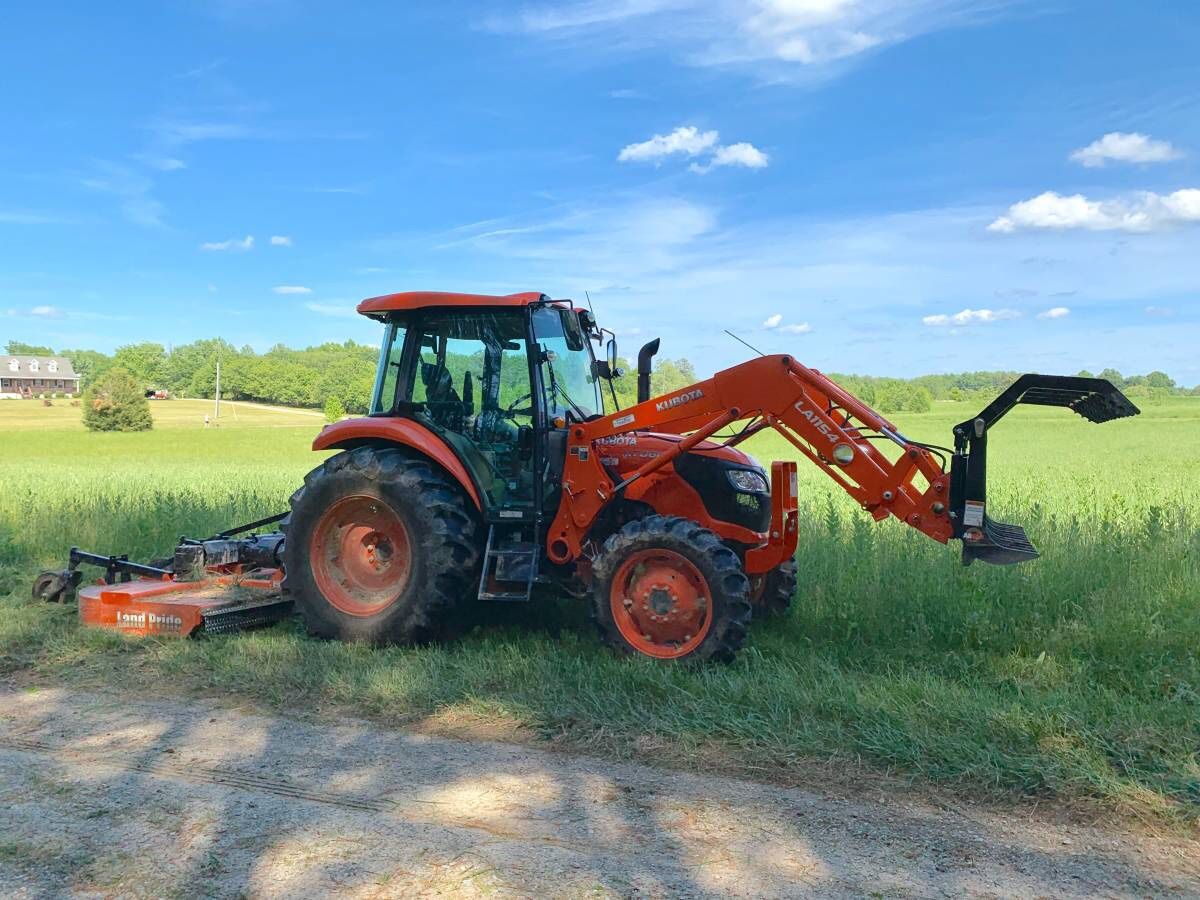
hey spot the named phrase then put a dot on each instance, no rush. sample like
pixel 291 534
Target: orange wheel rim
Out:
pixel 360 554
pixel 661 603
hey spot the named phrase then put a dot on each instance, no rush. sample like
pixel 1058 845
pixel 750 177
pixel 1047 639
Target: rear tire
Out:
pixel 773 594
pixel 668 588
pixel 380 548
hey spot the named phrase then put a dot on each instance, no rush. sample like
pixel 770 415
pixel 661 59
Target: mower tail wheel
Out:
pixel 52 586
pixel 669 589
pixel 381 547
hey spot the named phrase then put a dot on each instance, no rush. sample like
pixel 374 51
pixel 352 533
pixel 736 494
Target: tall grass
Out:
pixel 1075 676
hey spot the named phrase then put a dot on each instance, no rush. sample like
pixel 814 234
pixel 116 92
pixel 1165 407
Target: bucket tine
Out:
pixel 998 543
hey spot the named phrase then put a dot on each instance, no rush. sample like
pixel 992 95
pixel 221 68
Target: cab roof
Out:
pixel 377 307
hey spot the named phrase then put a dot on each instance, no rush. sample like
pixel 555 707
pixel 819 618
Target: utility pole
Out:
pixel 217 393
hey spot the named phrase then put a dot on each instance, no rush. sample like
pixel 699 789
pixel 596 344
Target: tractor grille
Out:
pixel 707 475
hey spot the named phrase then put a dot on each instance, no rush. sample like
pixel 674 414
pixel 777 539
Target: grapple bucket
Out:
pixel 984 538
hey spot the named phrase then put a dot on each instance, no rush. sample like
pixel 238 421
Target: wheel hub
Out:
pixel 661 600
pixel 360 555
pixel 660 603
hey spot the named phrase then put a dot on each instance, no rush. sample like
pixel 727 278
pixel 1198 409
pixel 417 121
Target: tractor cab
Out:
pixel 498 383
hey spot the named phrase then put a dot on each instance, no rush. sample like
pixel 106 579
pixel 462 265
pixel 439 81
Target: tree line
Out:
pixel 341 375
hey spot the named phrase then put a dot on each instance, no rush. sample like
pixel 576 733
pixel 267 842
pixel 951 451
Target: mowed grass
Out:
pixel 1073 678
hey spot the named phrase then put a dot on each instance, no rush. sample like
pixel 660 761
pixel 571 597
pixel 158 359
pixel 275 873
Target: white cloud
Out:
pixel 1119 146
pixel 37 312
pixel 25 217
pixel 686 139
pixel 1057 312
pixel 164 163
pixel 1160 312
pixel 175 133
pixel 741 154
pixel 783 37
pixel 332 309
pixel 1141 212
pixel 291 289
pixel 246 243
pixel 614 244
pixel 280 240
pixel 775 323
pixel 690 141
pixel 970 317
pixel 132 190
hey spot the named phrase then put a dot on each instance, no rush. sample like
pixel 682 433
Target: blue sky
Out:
pixel 880 187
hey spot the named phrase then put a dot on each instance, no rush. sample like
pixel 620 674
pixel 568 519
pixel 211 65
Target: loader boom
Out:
pixel 841 435
pixel 829 426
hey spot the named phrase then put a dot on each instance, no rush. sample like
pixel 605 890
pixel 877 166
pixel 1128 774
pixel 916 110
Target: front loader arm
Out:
pixel 829 426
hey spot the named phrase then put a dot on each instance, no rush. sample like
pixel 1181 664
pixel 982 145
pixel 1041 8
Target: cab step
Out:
pixel 510 564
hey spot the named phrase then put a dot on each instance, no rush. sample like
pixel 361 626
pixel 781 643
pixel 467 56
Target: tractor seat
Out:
pixel 442 401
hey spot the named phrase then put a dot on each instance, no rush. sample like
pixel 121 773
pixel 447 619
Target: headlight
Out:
pixel 748 481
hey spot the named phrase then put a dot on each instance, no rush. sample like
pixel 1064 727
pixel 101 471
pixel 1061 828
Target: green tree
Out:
pixel 116 402
pixel 350 378
pixel 334 411
pixel 144 361
pixel 88 364
pixel 18 348
pixel 1160 381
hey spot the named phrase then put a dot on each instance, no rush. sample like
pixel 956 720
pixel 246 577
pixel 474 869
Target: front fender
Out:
pixel 356 432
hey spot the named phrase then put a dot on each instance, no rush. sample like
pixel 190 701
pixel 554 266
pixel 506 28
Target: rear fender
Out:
pixel 351 433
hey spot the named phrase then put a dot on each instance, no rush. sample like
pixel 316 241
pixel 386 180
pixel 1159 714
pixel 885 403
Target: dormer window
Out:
pixel 52 365
pixel 33 365
pixel 14 365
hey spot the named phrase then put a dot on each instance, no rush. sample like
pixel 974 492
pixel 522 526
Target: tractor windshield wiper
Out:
pixel 557 388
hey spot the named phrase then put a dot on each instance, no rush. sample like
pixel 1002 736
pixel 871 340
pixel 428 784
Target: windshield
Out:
pixel 567 377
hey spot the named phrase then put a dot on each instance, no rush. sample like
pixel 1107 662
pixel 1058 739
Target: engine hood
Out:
pixel 626 452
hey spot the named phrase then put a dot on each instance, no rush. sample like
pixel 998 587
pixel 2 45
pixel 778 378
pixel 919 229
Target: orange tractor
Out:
pixel 490 463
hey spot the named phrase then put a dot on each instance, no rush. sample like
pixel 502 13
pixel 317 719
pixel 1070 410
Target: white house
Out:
pixel 28 376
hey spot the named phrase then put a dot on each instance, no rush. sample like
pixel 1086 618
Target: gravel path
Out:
pixel 104 795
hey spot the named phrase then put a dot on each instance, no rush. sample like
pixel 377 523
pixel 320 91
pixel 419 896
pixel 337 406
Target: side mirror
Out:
pixel 610 350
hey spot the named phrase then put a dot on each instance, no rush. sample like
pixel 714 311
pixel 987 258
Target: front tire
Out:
pixel 772 594
pixel 669 589
pixel 380 548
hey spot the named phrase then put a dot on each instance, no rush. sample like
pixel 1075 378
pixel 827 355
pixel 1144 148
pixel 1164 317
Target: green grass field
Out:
pixel 1074 678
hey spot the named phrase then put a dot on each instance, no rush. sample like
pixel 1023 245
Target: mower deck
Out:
pixel 217 605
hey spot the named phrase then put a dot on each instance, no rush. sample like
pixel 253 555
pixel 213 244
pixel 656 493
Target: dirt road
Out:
pixel 115 795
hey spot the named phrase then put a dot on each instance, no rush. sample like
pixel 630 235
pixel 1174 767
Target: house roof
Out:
pixel 375 306
pixel 46 367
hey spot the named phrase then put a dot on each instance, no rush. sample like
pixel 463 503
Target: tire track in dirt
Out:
pixel 163 767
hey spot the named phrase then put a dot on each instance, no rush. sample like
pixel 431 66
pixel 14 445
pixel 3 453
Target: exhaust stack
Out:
pixel 645 355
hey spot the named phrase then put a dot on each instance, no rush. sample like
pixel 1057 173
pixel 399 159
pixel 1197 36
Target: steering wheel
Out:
pixel 513 411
